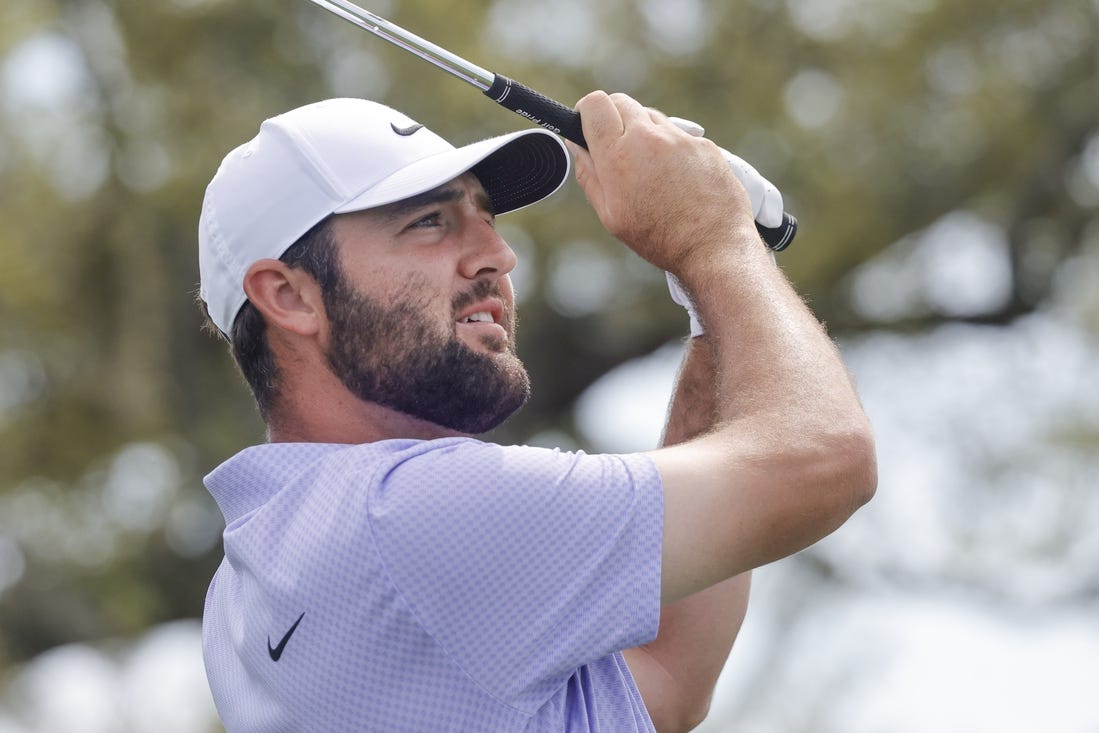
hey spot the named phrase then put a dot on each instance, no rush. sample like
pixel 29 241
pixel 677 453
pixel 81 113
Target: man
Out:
pixel 385 571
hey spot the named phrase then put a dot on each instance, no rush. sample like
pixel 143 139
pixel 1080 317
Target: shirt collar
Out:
pixel 246 481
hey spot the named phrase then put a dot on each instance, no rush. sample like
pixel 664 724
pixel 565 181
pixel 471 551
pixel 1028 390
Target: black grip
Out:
pixel 539 109
pixel 559 119
pixel 779 238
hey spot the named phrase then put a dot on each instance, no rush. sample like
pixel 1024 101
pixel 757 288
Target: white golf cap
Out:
pixel 343 155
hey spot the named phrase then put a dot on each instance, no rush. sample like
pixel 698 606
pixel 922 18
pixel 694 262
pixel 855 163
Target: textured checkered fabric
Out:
pixel 432 586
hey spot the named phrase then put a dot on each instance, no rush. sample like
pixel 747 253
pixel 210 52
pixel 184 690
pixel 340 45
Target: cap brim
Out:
pixel 517 170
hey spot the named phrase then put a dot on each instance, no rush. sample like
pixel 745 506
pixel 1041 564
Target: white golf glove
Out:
pixel 766 208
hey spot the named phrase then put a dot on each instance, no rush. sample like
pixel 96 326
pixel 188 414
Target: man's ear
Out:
pixel 289 298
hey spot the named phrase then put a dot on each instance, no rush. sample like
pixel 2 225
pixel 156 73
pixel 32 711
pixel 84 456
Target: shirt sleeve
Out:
pixel 523 563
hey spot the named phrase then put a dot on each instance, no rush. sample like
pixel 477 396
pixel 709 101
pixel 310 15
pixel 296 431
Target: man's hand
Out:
pixel 669 196
pixel 765 197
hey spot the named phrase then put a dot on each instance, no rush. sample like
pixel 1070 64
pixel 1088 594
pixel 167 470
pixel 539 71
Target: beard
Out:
pixel 399 356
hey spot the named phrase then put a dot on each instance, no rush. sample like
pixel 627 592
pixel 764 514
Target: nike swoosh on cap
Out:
pixel 405 131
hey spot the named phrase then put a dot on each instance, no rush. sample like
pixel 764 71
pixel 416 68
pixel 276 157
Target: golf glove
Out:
pixel 766 208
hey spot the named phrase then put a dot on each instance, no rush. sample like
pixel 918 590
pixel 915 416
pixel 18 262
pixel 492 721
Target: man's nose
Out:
pixel 485 251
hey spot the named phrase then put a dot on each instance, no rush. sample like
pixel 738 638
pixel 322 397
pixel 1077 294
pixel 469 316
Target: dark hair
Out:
pixel 314 252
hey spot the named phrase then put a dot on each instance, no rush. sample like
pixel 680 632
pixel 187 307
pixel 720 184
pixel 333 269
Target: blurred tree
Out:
pixel 875 120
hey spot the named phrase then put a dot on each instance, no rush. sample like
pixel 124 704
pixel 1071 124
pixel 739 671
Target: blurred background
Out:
pixel 943 159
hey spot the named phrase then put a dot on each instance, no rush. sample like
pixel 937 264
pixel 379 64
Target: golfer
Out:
pixel 385 570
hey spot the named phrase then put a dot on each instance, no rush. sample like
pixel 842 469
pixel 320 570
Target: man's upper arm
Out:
pixel 733 504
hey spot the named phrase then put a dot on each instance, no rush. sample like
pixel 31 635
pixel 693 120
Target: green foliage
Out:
pixel 874 120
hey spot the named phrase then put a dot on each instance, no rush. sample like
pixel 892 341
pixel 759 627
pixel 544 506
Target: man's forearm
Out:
pixel 787 417
pixel 677 672
pixel 691 412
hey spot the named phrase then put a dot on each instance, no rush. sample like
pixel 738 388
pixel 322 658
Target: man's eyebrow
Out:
pixel 484 202
pixel 446 193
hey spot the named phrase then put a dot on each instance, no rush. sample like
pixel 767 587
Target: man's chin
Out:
pixel 502 406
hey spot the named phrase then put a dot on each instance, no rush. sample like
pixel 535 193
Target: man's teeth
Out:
pixel 482 317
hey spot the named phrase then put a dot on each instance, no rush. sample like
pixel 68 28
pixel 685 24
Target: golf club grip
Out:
pixel 559 119
pixel 779 238
pixel 538 108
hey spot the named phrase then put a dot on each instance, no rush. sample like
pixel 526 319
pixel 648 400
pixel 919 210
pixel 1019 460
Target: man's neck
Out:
pixel 314 406
pixel 348 421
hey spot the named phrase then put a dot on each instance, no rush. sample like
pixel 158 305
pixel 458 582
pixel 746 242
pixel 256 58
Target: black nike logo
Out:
pixel 405 131
pixel 276 653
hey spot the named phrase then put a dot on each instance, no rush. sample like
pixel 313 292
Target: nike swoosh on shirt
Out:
pixel 405 131
pixel 276 653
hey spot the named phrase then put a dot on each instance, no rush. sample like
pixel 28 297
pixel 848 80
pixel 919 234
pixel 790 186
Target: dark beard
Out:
pixel 397 356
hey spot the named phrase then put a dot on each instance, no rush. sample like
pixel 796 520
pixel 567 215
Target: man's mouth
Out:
pixel 489 310
pixel 478 317
pixel 487 320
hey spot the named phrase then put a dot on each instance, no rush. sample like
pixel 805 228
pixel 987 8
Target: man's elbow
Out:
pixel 857 469
pixel 696 715
pixel 687 715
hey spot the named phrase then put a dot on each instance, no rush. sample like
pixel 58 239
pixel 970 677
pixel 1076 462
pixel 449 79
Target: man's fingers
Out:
pixel 658 117
pixel 631 111
pixel 585 174
pixel 600 118
pixel 582 161
pixel 606 117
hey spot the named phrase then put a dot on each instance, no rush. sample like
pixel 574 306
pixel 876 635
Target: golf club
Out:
pixel 521 99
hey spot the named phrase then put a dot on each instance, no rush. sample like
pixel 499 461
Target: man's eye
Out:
pixel 429 220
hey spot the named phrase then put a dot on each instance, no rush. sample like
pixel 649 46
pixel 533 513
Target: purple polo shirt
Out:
pixel 434 586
